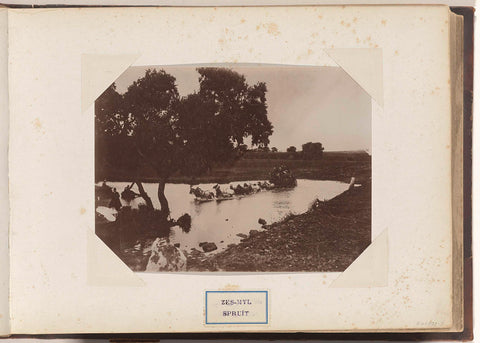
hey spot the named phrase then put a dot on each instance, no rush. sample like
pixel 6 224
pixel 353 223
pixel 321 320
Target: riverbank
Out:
pixel 328 238
pixel 332 167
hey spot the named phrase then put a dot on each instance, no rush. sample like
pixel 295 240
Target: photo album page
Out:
pixel 230 169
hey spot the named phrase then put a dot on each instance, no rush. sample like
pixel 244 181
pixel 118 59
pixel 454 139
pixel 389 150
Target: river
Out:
pixel 220 222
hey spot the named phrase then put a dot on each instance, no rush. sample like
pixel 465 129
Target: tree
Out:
pixel 106 127
pixel 144 130
pixel 292 149
pixel 312 151
pixel 153 126
pixel 264 149
pixel 241 110
pixel 243 148
pixel 274 149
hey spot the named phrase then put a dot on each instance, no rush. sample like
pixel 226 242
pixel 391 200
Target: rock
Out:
pixel 316 204
pixel 262 221
pixel 185 222
pixel 195 252
pixel 242 235
pixel 166 257
pixel 254 232
pixel 109 214
pixel 221 241
pixel 207 247
pixel 177 245
pixel 201 244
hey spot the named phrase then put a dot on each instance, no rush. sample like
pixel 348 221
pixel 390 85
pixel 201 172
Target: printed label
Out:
pixel 236 307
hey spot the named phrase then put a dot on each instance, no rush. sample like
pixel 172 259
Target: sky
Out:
pixel 305 104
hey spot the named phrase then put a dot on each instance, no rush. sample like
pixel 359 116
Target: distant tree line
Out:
pixel 310 151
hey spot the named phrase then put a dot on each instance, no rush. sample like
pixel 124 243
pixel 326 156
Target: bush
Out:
pixel 133 225
pixel 282 177
pixel 185 222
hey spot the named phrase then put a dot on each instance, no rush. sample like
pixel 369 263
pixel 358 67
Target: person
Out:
pixel 218 191
pixel 115 202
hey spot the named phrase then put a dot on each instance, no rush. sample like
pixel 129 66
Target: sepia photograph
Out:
pixel 234 168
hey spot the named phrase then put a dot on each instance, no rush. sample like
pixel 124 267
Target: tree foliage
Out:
pixel 240 109
pixel 312 151
pixel 291 149
pixel 152 125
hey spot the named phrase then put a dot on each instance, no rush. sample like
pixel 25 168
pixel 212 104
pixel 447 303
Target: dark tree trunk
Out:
pixel 163 200
pixel 144 195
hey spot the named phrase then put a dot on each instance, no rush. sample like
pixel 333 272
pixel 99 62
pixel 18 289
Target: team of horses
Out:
pixel 222 192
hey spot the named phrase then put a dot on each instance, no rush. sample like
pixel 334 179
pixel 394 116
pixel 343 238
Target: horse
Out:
pixel 248 188
pixel 266 185
pixel 256 187
pixel 223 193
pixel 238 190
pixel 201 194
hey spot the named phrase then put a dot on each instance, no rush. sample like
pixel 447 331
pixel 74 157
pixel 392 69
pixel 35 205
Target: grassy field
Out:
pixel 338 166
